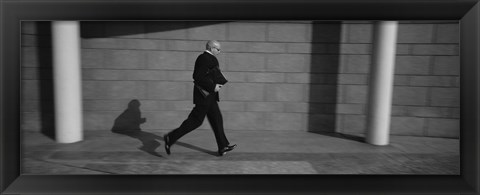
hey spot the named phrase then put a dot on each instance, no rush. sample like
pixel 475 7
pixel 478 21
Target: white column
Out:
pixel 381 82
pixel 67 81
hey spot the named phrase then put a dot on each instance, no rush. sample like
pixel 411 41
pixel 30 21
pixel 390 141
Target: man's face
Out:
pixel 216 49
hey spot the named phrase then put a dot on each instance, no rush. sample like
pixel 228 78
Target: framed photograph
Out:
pixel 296 101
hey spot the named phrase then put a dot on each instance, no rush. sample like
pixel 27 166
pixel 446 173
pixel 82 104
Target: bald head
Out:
pixel 213 46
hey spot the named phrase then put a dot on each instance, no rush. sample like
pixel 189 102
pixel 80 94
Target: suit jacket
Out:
pixel 203 65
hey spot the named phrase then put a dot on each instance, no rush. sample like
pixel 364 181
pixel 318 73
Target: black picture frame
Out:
pixel 14 11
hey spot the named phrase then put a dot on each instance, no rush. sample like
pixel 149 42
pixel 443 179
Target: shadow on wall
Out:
pixel 130 119
pixel 102 29
pixel 324 99
pixel 128 123
pixel 45 76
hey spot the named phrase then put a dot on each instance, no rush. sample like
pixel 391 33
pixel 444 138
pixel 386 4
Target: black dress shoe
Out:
pixel 224 151
pixel 166 139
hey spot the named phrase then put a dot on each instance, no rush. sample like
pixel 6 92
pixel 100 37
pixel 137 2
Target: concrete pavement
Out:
pixel 258 152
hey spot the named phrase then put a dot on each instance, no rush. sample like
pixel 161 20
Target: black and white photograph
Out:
pixel 275 97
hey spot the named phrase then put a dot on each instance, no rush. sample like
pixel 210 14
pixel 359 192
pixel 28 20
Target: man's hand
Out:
pixel 217 87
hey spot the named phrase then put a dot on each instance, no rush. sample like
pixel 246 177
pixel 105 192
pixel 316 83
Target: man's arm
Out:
pixel 200 75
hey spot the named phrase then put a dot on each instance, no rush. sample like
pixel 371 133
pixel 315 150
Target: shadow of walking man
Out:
pixel 128 123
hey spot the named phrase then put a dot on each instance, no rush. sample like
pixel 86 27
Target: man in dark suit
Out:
pixel 208 80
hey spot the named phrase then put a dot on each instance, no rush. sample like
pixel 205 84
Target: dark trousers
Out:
pixel 195 119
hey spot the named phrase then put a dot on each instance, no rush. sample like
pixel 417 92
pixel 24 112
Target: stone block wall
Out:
pixel 284 76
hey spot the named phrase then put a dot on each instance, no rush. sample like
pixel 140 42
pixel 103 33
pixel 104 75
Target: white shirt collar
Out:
pixel 209 52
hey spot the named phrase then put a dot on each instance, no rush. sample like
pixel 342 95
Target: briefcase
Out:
pixel 204 92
